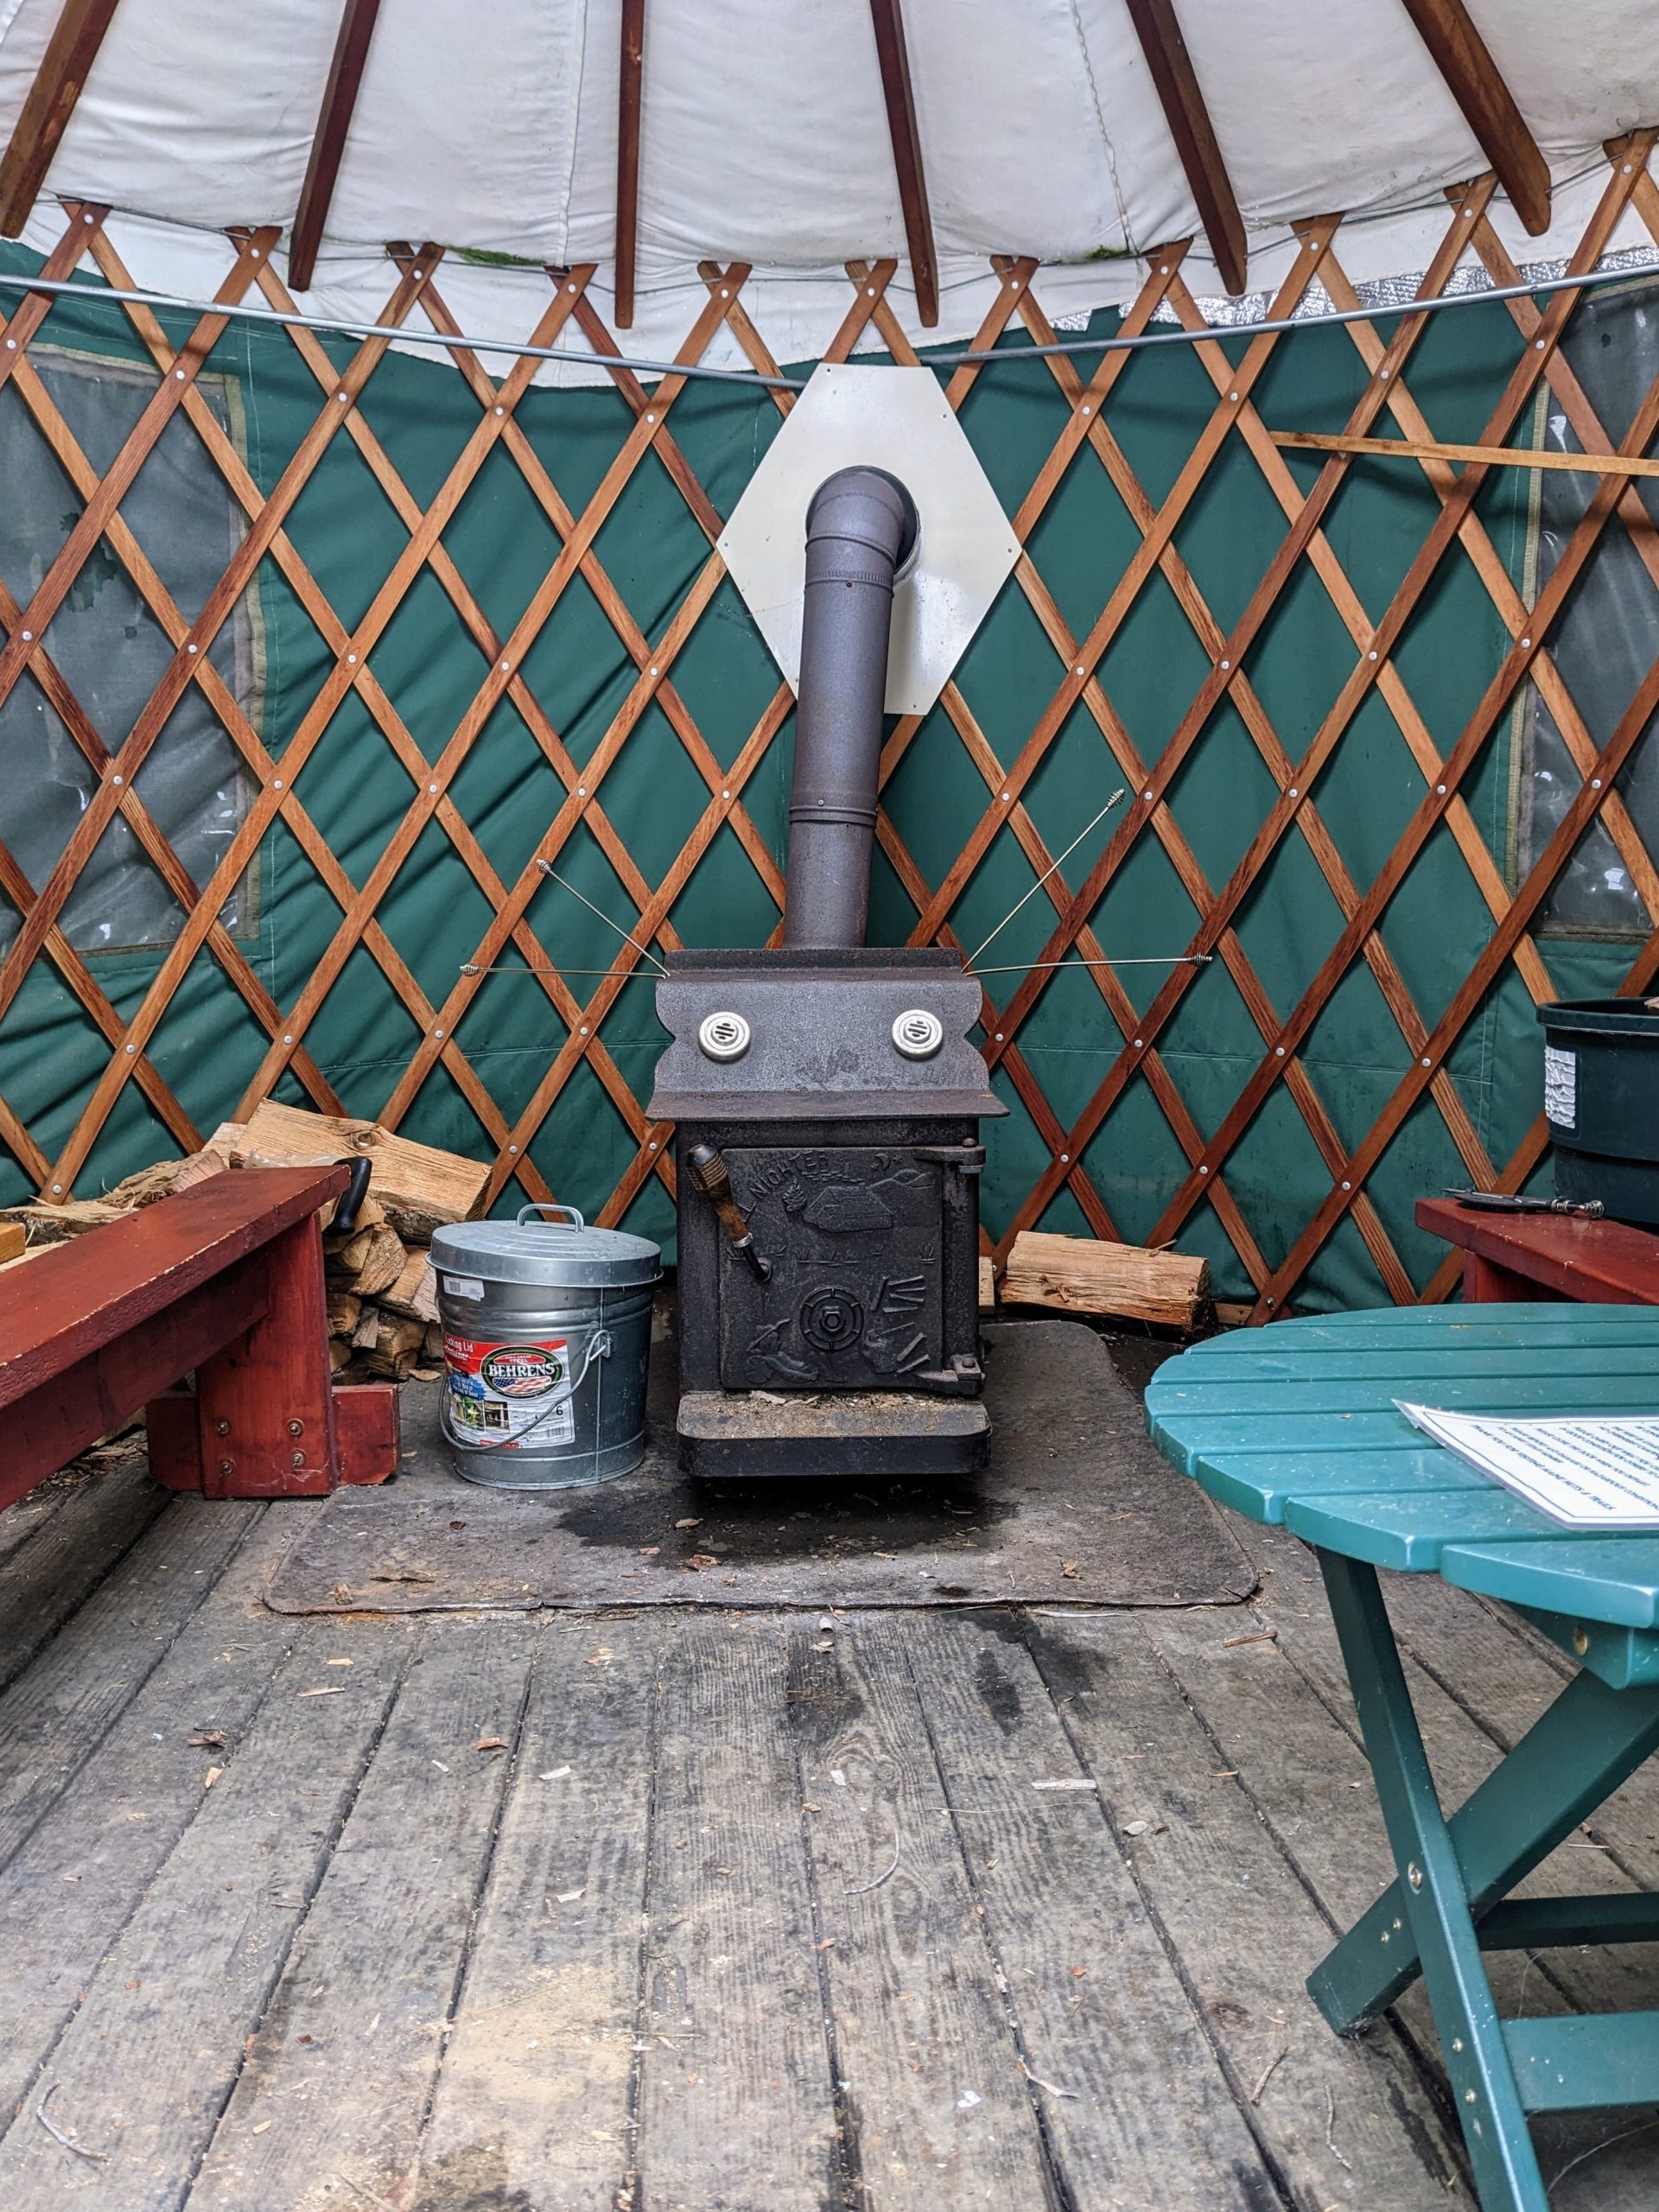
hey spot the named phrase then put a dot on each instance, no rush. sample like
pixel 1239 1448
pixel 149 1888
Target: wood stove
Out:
pixel 827 1099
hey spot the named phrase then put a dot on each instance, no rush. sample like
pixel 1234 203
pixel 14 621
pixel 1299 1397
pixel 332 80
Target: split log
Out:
pixel 987 1285
pixel 1080 1275
pixel 395 1348
pixel 13 1237
pixel 369 1262
pixel 420 1187
pixel 345 1309
pixel 339 1354
pixel 368 1327
pixel 54 1224
pixel 414 1293
pixel 432 1350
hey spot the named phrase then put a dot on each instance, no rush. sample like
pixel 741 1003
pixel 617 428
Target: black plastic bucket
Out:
pixel 1601 1100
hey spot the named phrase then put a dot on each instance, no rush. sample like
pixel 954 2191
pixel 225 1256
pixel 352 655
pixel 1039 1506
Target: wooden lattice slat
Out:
pixel 1005 763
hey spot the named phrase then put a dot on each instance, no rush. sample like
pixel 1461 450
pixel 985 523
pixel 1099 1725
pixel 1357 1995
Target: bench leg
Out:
pixel 1432 1918
pixel 1488 1282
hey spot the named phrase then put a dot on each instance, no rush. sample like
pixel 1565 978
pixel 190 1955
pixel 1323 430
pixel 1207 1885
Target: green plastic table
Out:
pixel 1296 1425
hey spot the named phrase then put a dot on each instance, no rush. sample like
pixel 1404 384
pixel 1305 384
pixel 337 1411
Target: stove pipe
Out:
pixel 861 527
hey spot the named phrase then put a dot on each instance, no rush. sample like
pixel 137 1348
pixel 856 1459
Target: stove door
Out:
pixel 855 1236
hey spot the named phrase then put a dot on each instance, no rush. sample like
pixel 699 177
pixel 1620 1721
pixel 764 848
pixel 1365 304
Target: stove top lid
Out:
pixel 550 1255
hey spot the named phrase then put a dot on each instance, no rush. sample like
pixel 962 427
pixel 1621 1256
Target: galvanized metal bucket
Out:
pixel 546 1338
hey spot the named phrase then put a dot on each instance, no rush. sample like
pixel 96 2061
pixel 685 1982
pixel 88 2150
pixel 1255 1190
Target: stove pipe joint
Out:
pixel 860 528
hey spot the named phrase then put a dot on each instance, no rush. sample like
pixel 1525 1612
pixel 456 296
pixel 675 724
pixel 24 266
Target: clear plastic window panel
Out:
pixel 112 652
pixel 1605 641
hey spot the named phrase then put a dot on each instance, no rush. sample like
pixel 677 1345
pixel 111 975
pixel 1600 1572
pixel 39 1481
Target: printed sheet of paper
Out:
pixel 1587 1474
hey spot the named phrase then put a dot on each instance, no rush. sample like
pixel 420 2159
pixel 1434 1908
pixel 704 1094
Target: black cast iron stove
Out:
pixel 827 1099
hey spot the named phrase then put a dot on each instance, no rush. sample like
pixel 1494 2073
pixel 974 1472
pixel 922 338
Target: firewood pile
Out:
pixel 383 1310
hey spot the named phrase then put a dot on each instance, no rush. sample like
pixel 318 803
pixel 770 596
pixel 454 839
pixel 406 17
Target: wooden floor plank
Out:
pixel 70 1887
pixel 339 2073
pixel 736 2100
pixel 1136 2110
pixel 532 2105
pixel 31 1512
pixel 1248 1933
pixel 935 2107
pixel 144 2069
pixel 43 1581
pixel 54 1716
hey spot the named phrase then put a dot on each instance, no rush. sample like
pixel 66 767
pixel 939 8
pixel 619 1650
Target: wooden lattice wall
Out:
pixel 1072 685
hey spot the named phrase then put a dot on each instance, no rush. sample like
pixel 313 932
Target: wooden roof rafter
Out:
pixel 334 123
pixel 59 82
pixel 1159 30
pixel 1473 79
pixel 629 96
pixel 895 59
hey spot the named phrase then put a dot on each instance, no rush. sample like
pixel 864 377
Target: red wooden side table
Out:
pixel 1524 1255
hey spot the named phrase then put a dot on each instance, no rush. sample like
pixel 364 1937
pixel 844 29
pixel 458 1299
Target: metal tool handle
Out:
pixel 713 1178
pixel 574 1222
pixel 350 1204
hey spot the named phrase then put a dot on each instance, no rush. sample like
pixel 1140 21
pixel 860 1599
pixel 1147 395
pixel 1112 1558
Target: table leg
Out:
pixel 1433 1918
pixel 1569 1763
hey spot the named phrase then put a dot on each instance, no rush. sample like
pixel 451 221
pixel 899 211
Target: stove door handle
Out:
pixel 713 1178
pixel 966 1159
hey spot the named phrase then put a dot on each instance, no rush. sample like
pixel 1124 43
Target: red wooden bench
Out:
pixel 1510 1255
pixel 224 1282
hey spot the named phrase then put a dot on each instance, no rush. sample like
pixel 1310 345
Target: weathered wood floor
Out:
pixel 708 1912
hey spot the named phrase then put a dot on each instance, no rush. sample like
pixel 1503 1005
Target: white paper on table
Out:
pixel 1597 1473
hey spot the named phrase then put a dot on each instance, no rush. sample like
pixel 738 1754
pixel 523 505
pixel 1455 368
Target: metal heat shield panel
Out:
pixel 854 1236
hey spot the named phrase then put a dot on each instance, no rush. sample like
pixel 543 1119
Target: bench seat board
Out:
pixel 86 1292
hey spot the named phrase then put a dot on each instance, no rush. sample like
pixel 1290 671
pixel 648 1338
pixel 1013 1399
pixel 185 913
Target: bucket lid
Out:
pixel 559 1255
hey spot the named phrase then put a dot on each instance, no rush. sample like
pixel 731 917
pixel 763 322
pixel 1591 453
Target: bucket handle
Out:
pixel 574 1222
pixel 599 1347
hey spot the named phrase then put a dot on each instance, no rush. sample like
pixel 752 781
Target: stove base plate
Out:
pixel 735 1435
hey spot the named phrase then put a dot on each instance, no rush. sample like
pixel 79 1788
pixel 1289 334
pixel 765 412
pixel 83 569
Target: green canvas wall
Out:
pixel 208 1045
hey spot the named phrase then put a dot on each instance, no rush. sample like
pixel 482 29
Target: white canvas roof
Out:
pixel 765 140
